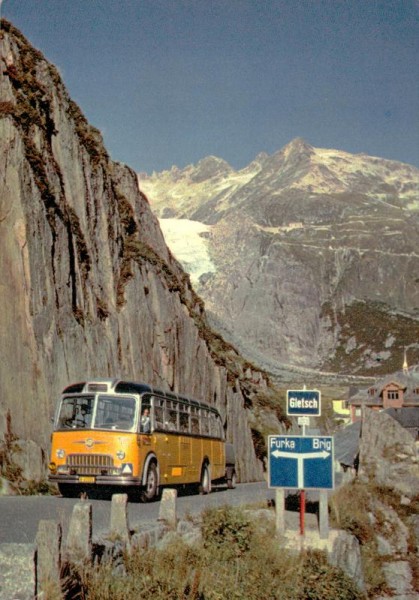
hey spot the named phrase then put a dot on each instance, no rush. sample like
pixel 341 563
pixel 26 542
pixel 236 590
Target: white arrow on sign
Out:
pixel 278 454
pixel 300 461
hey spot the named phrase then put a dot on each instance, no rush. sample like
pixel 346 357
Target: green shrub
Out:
pixel 227 530
pixel 325 581
pixel 350 508
pixel 239 558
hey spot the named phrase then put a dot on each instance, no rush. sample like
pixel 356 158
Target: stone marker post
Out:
pixel 79 537
pixel 167 511
pixel 48 563
pixel 119 517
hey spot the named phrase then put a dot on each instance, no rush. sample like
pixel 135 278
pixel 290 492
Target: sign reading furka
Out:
pixel 301 403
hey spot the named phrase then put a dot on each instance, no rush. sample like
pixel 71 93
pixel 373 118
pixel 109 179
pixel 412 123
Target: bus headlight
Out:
pixel 60 453
pixel 120 454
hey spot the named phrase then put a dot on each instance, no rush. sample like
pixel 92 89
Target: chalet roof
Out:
pixel 407 380
pixel 347 444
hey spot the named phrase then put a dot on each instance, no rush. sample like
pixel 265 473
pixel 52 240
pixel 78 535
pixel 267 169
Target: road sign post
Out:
pixel 303 462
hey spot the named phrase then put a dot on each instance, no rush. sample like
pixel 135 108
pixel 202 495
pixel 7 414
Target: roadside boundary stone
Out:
pixel 119 518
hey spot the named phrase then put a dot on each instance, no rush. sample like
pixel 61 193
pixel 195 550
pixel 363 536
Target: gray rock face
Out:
pixel 315 255
pixel 89 287
pixel 346 555
pixel 388 457
pixel 399 579
pixel 30 458
pixel 388 454
pixel 17 559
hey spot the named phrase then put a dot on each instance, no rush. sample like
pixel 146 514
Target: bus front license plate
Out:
pixel 87 479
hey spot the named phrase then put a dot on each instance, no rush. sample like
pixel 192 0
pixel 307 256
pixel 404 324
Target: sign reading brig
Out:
pixel 302 403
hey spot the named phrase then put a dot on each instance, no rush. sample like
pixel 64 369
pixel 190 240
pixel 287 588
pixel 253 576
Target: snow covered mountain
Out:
pixel 309 256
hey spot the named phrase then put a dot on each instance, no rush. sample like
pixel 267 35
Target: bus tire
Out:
pixel 232 481
pixel 151 484
pixel 205 483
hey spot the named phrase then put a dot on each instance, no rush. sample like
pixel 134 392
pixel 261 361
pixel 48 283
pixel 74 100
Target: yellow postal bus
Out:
pixel 112 432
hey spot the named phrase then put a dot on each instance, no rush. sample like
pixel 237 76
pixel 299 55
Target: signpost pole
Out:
pixel 323 515
pixel 280 510
pixel 303 422
pixel 302 510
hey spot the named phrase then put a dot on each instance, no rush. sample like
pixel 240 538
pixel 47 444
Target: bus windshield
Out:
pixel 97 412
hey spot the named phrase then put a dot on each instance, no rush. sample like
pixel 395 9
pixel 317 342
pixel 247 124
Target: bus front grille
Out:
pixel 91 464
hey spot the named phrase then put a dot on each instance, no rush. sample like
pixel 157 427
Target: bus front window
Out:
pixel 76 412
pixel 114 412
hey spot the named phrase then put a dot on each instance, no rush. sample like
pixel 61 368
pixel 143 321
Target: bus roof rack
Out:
pixel 126 387
pixel 130 387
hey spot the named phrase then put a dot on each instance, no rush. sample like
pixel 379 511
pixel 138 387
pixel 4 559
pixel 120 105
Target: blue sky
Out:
pixel 169 82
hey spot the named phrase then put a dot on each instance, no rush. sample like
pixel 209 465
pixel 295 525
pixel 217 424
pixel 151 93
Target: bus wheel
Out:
pixel 151 487
pixel 205 485
pixel 232 481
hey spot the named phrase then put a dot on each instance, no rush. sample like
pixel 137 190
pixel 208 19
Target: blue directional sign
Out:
pixel 301 462
pixel 303 403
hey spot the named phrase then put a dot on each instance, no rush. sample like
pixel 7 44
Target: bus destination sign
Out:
pixel 301 403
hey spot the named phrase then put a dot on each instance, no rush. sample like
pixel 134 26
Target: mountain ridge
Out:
pixel 318 231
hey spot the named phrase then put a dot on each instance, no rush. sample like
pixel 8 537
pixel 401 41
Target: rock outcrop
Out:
pixel 89 287
pixel 388 454
pixel 388 459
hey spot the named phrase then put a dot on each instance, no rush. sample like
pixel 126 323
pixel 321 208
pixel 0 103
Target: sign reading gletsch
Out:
pixel 303 403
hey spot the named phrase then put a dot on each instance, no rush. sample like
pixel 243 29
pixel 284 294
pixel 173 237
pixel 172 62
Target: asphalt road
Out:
pixel 20 515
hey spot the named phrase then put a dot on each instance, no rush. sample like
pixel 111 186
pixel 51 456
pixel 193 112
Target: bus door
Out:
pixel 185 442
pixel 163 440
pixel 217 445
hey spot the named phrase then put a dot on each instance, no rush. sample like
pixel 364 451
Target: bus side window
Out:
pixel 145 422
pixel 184 420
pixel 215 426
pixel 158 415
pixel 171 416
pixel 204 422
pixel 194 420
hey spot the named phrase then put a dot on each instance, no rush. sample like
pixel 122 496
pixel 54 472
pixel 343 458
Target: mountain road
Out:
pixel 20 515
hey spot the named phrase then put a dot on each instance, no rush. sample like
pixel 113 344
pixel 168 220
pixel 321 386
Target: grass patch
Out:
pixel 238 558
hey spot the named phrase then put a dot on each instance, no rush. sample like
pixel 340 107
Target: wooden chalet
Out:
pixel 396 391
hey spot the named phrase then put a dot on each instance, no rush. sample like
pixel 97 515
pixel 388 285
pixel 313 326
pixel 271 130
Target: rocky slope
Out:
pixel 89 287
pixel 311 254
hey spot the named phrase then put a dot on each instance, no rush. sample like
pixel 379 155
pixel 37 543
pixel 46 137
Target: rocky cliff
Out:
pixel 311 254
pixel 89 287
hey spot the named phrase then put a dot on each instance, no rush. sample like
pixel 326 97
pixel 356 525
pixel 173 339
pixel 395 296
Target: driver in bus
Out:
pixel 145 421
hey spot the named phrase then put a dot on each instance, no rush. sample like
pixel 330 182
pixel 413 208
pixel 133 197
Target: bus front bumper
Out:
pixel 117 480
